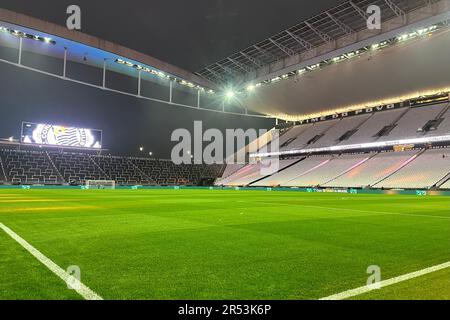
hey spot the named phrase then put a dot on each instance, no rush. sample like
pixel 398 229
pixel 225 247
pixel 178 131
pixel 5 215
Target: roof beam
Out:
pixel 340 24
pixel 305 44
pixel 240 65
pixel 256 62
pixel 216 74
pixel 397 10
pixel 360 11
pixel 283 48
pixel 265 52
pixel 228 69
pixel 321 34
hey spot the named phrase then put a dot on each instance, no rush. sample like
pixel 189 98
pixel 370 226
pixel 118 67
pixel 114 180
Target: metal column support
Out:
pixel 20 50
pixel 198 98
pixel 139 83
pixel 104 73
pixel 170 91
pixel 65 62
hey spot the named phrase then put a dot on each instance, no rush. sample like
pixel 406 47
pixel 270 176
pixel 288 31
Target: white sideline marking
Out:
pixel 367 288
pixel 80 288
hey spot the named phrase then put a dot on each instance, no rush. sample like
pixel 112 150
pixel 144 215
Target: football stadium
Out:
pixel 313 164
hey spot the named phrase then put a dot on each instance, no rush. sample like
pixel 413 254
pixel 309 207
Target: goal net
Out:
pixel 100 184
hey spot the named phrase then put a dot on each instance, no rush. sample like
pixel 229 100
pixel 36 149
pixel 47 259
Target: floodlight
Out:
pixel 251 88
pixel 230 94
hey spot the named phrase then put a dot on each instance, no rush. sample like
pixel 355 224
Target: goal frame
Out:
pixel 100 184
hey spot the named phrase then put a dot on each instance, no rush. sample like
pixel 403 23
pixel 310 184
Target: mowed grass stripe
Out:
pixel 192 244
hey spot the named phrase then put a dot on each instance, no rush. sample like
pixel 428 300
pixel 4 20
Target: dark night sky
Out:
pixel 187 33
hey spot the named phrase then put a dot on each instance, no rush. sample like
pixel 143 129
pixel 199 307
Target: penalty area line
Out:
pixel 364 289
pixel 78 286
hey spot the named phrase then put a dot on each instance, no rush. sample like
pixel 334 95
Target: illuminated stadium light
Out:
pixel 314 66
pixel 11 139
pixel 230 94
pixel 20 34
pixel 275 79
pixel 141 149
pixel 251 88
pixel 369 145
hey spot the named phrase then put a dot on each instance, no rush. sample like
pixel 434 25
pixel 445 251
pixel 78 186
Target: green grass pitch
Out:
pixel 205 244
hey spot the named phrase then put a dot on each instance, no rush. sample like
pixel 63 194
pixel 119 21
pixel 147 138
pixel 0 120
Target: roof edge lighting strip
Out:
pixel 162 75
pixel 360 146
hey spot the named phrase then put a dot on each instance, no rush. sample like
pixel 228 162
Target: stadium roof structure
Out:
pixel 333 38
pixel 340 21
pixel 22 35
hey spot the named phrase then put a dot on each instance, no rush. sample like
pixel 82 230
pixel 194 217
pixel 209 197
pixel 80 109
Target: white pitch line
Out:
pixel 364 289
pixel 78 286
pixel 379 212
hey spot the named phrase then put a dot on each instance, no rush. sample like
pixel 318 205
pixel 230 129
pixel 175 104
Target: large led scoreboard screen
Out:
pixel 56 135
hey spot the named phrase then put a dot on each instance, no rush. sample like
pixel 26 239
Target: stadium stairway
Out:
pixel 3 176
pixel 60 176
pixel 281 170
pixel 142 173
pixel 364 160
pixel 107 176
pixel 443 181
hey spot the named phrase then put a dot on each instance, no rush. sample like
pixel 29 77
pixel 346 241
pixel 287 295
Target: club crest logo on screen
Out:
pixel 48 134
pixel 57 135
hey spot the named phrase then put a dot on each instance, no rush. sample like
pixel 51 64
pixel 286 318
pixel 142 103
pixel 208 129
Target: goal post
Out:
pixel 100 184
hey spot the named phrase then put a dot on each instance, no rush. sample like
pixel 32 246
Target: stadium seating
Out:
pixel 123 171
pixel 376 122
pixel 165 172
pixel 230 169
pixel 38 167
pixel 422 173
pixel 24 167
pixel 444 126
pixel 332 136
pixel 408 126
pixel 76 168
pixel 325 170
pixel 311 134
pixel 406 123
pixel 252 173
pixel 446 185
pixel 375 169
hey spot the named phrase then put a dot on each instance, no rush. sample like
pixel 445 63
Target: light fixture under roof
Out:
pixel 24 35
